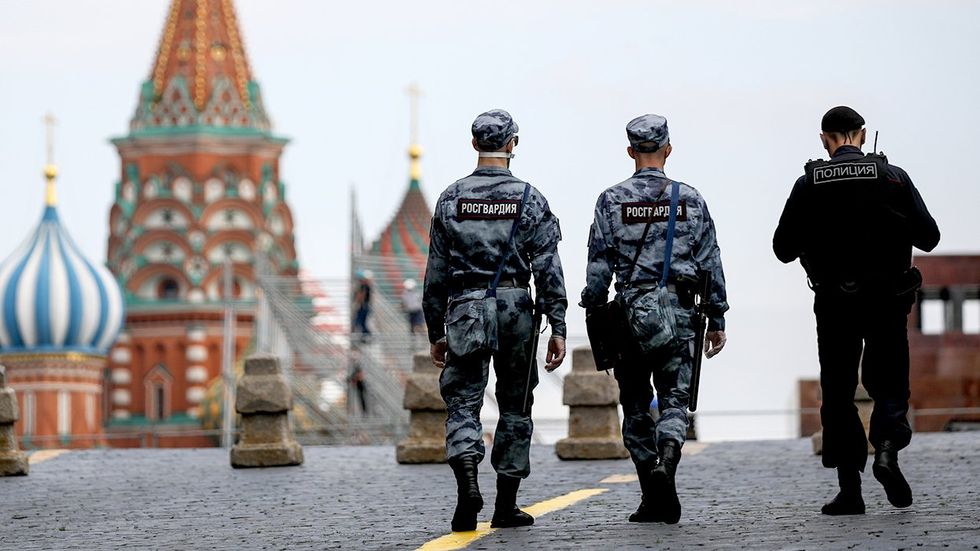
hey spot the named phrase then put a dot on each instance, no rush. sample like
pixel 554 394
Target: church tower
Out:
pixel 199 187
pixel 402 250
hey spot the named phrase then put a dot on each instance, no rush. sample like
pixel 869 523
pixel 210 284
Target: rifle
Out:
pixel 700 326
pixel 535 334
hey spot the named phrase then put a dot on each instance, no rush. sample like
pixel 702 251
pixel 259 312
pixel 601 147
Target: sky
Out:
pixel 743 86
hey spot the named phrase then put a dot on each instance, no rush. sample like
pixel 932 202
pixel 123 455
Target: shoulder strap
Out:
pixel 639 250
pixel 510 240
pixel 671 224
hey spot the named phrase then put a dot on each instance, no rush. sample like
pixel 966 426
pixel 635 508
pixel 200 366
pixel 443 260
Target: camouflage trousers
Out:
pixel 464 380
pixel 670 368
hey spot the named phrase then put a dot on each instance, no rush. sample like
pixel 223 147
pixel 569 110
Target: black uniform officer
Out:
pixel 852 221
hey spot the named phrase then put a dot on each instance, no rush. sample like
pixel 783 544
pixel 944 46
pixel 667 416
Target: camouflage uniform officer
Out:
pixel 470 237
pixel 858 259
pixel 655 447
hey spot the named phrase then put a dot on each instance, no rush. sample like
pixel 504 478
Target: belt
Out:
pixel 673 287
pixel 642 285
pixel 907 281
pixel 483 282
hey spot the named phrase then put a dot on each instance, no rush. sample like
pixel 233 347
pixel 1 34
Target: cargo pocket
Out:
pixel 471 325
pixel 652 320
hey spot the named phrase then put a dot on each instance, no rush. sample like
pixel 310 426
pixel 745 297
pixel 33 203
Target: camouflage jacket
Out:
pixel 621 213
pixel 469 237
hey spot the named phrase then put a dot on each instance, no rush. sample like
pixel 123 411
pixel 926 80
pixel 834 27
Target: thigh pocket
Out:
pixel 653 321
pixel 471 324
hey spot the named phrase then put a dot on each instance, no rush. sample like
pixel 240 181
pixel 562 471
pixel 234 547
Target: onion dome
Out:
pixel 53 299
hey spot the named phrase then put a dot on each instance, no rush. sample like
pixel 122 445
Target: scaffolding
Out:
pixel 306 322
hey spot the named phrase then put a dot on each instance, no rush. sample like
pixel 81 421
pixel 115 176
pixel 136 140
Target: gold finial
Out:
pixel 50 170
pixel 414 149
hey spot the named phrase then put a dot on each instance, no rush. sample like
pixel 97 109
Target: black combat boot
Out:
pixel 886 471
pixel 663 482
pixel 468 498
pixel 848 501
pixel 505 511
pixel 648 510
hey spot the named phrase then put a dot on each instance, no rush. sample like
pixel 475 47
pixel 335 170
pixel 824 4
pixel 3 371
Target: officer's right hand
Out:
pixel 714 341
pixel 556 353
pixel 438 353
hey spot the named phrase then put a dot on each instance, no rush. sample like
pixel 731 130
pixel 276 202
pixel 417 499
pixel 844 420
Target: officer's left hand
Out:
pixel 716 341
pixel 556 353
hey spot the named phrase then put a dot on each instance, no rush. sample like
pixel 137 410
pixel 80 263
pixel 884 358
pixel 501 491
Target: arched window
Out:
pixel 168 289
pixel 157 385
pixel 159 401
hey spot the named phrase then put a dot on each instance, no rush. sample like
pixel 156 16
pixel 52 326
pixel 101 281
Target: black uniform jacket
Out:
pixel 855 230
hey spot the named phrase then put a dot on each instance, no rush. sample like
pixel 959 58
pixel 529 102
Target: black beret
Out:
pixel 841 119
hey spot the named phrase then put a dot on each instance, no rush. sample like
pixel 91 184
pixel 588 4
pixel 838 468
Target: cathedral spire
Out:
pixel 50 170
pixel 200 41
pixel 414 149
pixel 200 76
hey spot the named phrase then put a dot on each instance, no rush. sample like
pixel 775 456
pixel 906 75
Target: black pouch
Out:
pixel 607 327
pixel 908 282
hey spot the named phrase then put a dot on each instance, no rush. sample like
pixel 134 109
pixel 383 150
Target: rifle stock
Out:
pixel 700 326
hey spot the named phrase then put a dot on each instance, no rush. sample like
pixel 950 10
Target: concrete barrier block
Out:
pixel 422 393
pixel 590 389
pixel 591 448
pixel 263 394
pixel 13 462
pixel 426 440
pixel 593 422
pixel 264 400
pixel 9 411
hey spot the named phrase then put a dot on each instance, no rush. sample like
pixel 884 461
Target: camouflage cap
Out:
pixel 647 133
pixel 493 129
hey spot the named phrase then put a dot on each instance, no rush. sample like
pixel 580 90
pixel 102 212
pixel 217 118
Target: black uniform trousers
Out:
pixel 871 331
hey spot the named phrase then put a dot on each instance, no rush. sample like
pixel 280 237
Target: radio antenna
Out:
pixel 875 149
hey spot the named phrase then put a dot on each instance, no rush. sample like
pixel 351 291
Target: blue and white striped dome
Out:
pixel 52 299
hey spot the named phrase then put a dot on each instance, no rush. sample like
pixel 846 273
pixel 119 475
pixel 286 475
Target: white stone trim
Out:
pixel 121 355
pixel 121 376
pixel 196 374
pixel 54 387
pixel 93 373
pixel 197 353
pixel 64 412
pixel 121 397
pixel 197 333
pixel 30 412
pixel 196 394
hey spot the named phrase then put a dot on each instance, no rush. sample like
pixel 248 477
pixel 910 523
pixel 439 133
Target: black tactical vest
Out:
pixel 855 229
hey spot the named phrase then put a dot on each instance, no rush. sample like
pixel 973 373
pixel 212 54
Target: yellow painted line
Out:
pixel 690 448
pixel 554 504
pixel 459 540
pixel 41 456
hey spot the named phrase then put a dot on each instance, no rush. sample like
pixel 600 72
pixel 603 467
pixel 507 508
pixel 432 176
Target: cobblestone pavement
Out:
pixel 753 495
